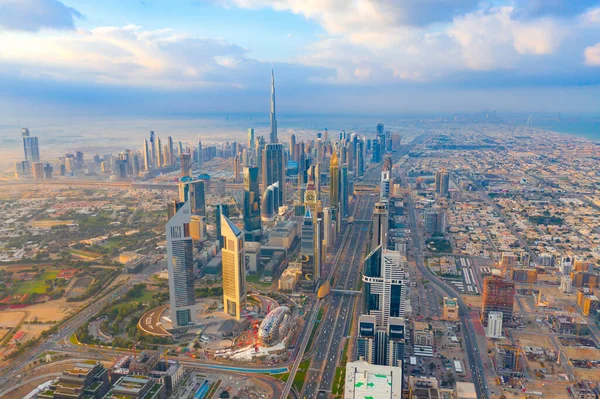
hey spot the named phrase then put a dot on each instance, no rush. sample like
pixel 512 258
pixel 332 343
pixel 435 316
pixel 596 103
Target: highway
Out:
pixel 19 365
pixel 336 321
pixel 470 342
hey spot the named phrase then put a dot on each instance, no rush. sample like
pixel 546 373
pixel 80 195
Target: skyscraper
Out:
pixel 236 169
pixel 273 169
pixel 251 139
pixel 159 154
pixel 343 192
pixel 234 268
pixel 385 185
pixel 251 199
pixel 334 181
pixel 146 154
pixel 498 296
pixel 152 144
pixel 381 328
pixel 442 182
pixel 273 119
pixel 307 246
pixel 30 147
pixel 180 263
pixel 380 225
pixel 220 209
pixel 171 155
pixel 200 154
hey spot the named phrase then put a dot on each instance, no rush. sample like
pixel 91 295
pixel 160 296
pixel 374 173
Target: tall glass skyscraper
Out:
pixel 180 264
pixel 273 169
pixel 251 199
pixel 30 147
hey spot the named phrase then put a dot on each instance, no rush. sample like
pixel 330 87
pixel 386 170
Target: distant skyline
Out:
pixel 373 56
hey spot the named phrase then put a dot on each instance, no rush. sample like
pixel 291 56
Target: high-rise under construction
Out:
pixel 498 296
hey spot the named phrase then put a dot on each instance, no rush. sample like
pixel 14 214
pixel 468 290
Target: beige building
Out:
pixel 290 276
pixel 423 334
pixel 234 268
pixel 450 309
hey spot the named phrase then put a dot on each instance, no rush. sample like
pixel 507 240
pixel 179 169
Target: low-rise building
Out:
pixel 451 312
pixel 365 380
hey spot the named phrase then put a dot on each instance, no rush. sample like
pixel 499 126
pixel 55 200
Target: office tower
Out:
pixel 260 147
pixel 22 169
pixel 234 268
pixel 170 151
pixel 159 153
pixel 442 182
pixel 380 225
pixel 120 169
pixel 376 151
pixel 498 296
pixel 329 228
pixel 180 263
pixel 381 328
pixel 379 129
pixel 293 148
pixel 152 144
pixel 197 197
pixel 236 170
pixel 220 209
pixel 494 326
pixel 308 244
pixel 507 359
pixel 270 203
pixel 435 221
pixel 273 169
pixel 343 192
pixel 251 139
pixel 146 155
pixel 179 149
pixel 48 172
pixel 383 278
pixel 251 200
pixel 30 147
pixel 200 155
pixel 360 158
pixel 334 181
pixel 385 185
pixel 273 119
pixel 38 170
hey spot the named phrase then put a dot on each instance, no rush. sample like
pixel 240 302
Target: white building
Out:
pixel 566 285
pixel 494 328
pixel 364 380
pixel 252 250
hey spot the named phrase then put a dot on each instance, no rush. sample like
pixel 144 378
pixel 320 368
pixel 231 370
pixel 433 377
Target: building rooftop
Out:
pixel 365 380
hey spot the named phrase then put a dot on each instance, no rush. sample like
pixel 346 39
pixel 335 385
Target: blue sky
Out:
pixel 330 56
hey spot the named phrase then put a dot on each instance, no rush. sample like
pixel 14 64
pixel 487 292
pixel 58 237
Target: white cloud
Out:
pixel 126 55
pixel 33 15
pixel 592 55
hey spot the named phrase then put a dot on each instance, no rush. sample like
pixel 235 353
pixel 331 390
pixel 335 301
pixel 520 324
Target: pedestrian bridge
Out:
pixel 347 292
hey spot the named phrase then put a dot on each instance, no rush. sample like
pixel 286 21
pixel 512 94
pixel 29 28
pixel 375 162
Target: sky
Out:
pixel 183 57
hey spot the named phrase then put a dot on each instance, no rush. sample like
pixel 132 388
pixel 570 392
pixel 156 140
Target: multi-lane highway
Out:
pixel 335 324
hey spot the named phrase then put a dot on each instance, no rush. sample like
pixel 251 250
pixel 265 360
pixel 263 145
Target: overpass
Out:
pixel 347 292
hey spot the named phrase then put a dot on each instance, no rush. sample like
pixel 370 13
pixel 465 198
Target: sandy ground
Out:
pixel 9 319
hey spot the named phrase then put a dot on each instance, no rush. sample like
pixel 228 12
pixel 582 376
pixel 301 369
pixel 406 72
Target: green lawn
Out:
pixel 301 375
pixel 38 285
pixel 338 380
pixel 255 279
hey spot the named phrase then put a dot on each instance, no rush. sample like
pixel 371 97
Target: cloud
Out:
pixel 592 55
pixel 559 8
pixel 33 15
pixel 339 16
pixel 128 55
